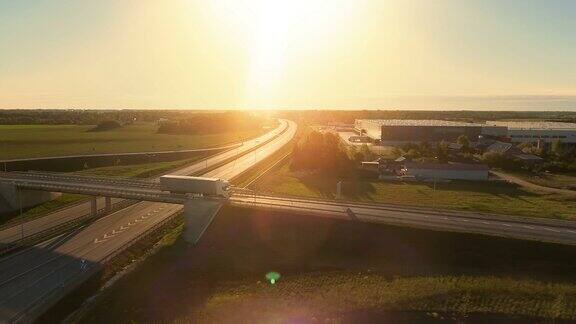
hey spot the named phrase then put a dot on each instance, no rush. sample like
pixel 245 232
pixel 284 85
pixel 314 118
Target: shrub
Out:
pixel 106 125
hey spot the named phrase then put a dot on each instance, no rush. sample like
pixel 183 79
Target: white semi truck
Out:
pixel 195 185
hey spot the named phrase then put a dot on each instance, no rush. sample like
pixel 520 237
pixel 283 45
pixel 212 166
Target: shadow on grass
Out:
pixel 243 245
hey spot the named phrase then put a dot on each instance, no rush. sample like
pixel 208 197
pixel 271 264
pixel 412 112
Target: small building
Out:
pixel 513 152
pixel 447 171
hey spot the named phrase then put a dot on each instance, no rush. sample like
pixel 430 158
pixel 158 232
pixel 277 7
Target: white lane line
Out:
pixel 487 223
pixel 527 226
pixel 506 224
pixel 551 230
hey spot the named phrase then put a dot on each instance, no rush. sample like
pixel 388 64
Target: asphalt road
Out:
pixel 15 232
pixel 545 230
pixel 34 279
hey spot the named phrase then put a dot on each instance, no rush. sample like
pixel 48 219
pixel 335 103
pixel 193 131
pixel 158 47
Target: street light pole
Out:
pixel 434 195
pixel 21 219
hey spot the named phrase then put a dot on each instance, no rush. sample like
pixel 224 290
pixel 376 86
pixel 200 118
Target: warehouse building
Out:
pixel 538 132
pixel 402 131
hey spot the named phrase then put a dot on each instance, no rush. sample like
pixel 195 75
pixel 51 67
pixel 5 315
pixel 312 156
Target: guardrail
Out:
pixel 53 296
pixel 48 233
pixel 49 298
pixel 423 210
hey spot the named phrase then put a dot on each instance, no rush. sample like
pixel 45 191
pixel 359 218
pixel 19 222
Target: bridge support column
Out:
pixel 93 206
pixel 198 214
pixel 108 206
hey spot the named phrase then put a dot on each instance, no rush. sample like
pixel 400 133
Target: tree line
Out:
pixel 212 123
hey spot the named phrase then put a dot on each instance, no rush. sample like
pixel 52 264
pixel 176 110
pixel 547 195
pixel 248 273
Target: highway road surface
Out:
pixel 15 232
pixel 34 279
pixel 527 228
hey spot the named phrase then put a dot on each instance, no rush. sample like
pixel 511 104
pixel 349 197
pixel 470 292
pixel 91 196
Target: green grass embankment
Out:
pixel 499 198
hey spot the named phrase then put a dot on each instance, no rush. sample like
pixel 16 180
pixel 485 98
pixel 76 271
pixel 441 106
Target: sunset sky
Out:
pixel 363 54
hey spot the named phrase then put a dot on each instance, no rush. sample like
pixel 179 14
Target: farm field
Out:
pixel 333 269
pixel 499 198
pixel 29 141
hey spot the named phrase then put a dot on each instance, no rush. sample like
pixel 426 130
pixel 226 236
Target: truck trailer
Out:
pixel 195 185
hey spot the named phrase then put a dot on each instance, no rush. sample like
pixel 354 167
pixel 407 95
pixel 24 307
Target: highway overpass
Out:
pixel 34 278
pixel 548 230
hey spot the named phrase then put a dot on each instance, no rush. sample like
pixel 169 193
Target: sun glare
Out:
pixel 276 28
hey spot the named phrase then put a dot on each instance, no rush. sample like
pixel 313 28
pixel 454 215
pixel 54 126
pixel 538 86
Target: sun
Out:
pixel 276 29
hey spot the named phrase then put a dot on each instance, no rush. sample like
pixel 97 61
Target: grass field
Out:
pixel 561 181
pixel 27 141
pixel 472 196
pixel 332 268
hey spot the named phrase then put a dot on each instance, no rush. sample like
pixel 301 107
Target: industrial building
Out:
pixel 402 131
pixel 538 132
pixel 446 171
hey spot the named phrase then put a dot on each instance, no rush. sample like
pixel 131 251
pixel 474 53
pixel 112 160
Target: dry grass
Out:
pixel 331 267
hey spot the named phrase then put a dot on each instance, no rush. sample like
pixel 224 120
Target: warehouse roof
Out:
pixel 418 122
pixel 499 147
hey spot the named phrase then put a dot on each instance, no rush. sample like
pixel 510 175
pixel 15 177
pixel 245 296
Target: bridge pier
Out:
pixel 93 206
pixel 108 205
pixel 198 214
pixel 12 197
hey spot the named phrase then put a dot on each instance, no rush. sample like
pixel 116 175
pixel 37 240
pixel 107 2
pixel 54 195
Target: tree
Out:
pixel 499 160
pixel 465 142
pixel 557 149
pixel 367 155
pixel 321 153
pixel 106 125
pixel 442 151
